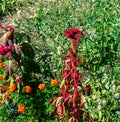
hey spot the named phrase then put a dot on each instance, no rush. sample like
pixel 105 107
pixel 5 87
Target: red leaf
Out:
pixel 87 88
pixel 17 49
pixel 59 110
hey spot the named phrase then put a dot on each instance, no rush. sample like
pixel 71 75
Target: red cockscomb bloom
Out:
pixel 74 35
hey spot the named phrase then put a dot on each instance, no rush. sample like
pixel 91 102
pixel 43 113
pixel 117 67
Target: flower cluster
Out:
pixel 71 99
pixel 6 50
pixel 12 87
pixel 14 70
pixel 5 47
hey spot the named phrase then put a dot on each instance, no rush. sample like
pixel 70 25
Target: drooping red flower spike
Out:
pixel 74 35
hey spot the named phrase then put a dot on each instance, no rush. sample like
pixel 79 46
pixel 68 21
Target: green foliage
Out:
pixel 41 39
pixel 9 6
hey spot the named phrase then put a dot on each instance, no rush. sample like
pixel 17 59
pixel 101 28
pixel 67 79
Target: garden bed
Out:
pixel 36 55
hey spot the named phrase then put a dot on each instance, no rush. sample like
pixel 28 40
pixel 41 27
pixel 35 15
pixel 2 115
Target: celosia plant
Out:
pixel 70 102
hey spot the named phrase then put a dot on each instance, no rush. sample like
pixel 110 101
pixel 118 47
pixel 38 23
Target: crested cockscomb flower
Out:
pixel 74 35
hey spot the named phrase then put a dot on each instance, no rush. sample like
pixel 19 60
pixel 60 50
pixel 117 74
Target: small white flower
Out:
pixel 103 91
pixel 99 107
pixel 117 95
pixel 99 101
pixel 94 97
pixel 104 102
pixel 107 86
pixel 118 112
pixel 113 89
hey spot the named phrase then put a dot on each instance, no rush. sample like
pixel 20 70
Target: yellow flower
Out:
pixel 41 86
pixel 27 89
pixel 21 108
pixel 82 60
pixel 12 87
pixel 54 82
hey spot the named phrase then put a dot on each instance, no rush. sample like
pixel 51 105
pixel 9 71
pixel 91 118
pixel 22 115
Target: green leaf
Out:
pixel 28 50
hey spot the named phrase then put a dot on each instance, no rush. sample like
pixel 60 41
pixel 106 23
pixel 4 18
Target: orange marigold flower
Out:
pixel 27 89
pixel 1 65
pixel 12 87
pixel 54 82
pixel 2 77
pixel 5 95
pixel 21 108
pixel 1 89
pixel 41 86
pixel 8 92
pixel 81 60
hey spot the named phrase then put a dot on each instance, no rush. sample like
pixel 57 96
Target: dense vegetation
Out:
pixel 39 46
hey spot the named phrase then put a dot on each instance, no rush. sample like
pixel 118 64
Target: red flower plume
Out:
pixel 74 35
